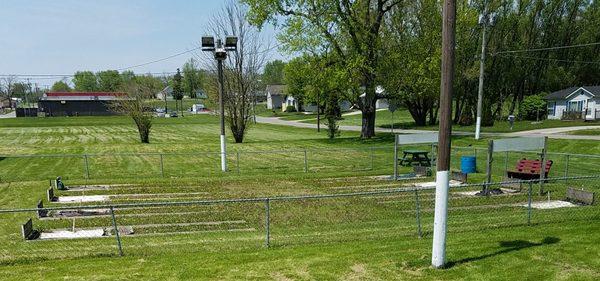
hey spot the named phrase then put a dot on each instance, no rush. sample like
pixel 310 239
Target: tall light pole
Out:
pixel 438 253
pixel 484 21
pixel 220 54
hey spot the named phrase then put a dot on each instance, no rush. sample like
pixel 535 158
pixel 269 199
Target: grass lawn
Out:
pixel 589 132
pixel 368 237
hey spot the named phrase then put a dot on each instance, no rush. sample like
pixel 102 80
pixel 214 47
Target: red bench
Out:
pixel 529 169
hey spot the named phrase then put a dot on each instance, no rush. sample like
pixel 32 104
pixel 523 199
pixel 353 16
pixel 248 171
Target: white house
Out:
pixel 275 96
pixel 575 103
pixel 381 103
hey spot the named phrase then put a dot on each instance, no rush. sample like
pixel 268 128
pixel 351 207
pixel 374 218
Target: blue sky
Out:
pixel 63 36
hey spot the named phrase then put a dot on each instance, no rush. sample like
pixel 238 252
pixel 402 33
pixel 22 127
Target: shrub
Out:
pixel 532 106
pixel 290 108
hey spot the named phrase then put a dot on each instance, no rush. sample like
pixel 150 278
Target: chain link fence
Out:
pixel 198 164
pixel 69 226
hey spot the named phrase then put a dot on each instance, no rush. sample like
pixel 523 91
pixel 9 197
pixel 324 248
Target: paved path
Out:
pixel 9 115
pixel 554 133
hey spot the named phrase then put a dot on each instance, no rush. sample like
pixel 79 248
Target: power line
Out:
pixel 550 59
pixel 546 49
pixel 159 60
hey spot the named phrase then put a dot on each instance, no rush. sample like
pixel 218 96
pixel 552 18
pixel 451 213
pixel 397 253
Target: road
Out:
pixel 554 133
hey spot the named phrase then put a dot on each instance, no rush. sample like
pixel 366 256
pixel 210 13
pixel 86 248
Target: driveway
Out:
pixel 553 133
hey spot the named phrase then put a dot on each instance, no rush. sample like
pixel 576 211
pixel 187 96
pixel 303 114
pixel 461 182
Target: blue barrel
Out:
pixel 468 164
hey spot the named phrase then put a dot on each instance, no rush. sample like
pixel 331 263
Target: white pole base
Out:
pixel 478 128
pixel 223 154
pixel 438 253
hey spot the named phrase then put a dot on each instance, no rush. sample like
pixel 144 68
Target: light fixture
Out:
pixel 208 43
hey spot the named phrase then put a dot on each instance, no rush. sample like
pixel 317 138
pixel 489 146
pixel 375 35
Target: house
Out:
pixel 574 103
pixel 78 103
pixel 5 102
pixel 381 103
pixel 276 96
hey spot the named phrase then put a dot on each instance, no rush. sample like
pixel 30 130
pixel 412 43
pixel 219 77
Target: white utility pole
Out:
pixel 438 252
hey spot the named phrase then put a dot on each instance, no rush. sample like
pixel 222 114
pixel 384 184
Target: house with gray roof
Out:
pixel 276 97
pixel 574 103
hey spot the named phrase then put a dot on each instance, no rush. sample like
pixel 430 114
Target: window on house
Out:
pixel 575 105
pixel 551 108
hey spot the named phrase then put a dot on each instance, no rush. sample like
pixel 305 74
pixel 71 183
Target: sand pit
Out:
pixel 552 204
pixel 82 199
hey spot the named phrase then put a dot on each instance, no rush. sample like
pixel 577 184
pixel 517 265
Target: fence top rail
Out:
pixel 279 198
pixel 194 152
pixel 529 151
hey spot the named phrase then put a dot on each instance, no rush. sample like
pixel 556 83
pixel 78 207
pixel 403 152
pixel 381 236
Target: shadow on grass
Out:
pixel 510 246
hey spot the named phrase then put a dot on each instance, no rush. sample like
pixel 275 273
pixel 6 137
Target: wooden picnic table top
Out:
pixel 415 151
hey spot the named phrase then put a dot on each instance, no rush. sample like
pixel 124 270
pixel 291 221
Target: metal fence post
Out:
pixel 267 223
pixel 567 167
pixel 505 163
pixel 237 161
pixel 114 222
pixel 305 161
pixel 372 159
pixel 529 203
pixel 162 168
pixel 87 167
pixel 418 213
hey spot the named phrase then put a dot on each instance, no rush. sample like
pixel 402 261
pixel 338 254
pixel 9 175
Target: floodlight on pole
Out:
pixel 220 54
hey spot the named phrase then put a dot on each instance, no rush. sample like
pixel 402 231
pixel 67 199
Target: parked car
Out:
pixel 173 114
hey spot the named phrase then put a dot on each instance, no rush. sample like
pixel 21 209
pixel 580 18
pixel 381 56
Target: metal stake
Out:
pixel 237 161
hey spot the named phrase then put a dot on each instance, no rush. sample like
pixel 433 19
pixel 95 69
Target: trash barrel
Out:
pixel 468 164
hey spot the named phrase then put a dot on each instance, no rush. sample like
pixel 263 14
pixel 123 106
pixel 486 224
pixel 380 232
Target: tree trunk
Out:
pixel 368 110
pixel 368 121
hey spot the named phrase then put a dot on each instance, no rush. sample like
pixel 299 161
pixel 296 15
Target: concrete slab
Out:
pixel 83 199
pixel 552 204
pixel 68 234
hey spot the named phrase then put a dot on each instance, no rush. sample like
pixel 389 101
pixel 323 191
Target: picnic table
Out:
pixel 418 157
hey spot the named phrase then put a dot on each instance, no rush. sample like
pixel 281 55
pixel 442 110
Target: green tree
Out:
pixel 109 80
pixel 60 86
pixel 273 73
pixel 192 78
pixel 85 81
pixel 177 89
pixel 352 30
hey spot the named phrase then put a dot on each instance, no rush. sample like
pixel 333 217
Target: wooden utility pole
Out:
pixel 438 258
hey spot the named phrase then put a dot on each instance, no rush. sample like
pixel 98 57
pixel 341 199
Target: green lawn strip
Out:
pixel 552 251
pixel 590 132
